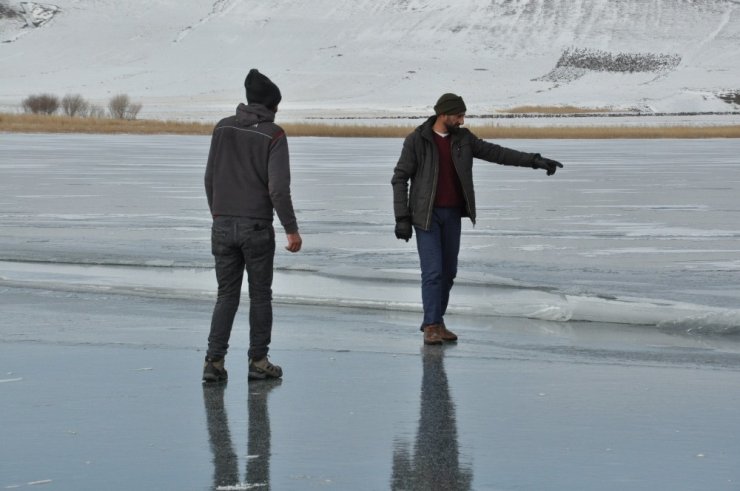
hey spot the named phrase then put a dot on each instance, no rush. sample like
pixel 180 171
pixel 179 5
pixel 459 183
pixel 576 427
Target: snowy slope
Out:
pixel 188 58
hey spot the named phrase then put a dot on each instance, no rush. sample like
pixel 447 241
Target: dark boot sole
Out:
pixel 211 378
pixel 254 375
pixel 214 380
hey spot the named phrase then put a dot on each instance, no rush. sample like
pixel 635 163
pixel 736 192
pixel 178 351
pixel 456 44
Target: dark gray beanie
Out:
pixel 261 90
pixel 450 104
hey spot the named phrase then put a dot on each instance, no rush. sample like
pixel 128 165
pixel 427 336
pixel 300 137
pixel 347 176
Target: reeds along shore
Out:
pixel 31 123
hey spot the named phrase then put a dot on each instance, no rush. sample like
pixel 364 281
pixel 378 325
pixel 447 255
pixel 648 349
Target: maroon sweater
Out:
pixel 449 191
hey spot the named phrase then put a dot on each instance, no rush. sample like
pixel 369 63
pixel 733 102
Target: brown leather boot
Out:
pixel 446 334
pixel 432 334
pixel 263 369
pixel 214 371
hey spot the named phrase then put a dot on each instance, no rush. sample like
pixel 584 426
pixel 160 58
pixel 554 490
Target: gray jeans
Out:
pixel 238 243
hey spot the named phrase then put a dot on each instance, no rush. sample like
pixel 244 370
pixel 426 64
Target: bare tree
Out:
pixel 96 111
pixel 121 107
pixel 41 104
pixel 133 110
pixel 75 105
pixel 117 106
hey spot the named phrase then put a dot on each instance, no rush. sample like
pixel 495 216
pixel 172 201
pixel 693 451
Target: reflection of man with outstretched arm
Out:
pixel 258 440
pixel 435 464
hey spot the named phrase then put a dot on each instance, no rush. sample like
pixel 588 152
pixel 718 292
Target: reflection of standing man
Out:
pixel 247 178
pixel 225 461
pixel 435 464
pixel 259 439
pixel 438 160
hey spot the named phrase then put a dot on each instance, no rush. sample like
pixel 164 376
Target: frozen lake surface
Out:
pixel 106 290
pixel 630 231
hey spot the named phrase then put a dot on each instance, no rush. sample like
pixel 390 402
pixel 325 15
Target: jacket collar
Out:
pixel 426 130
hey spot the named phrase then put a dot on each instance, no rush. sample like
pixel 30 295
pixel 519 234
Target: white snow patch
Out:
pixel 350 58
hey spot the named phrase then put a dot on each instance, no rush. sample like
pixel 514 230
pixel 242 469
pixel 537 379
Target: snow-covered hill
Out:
pixel 188 58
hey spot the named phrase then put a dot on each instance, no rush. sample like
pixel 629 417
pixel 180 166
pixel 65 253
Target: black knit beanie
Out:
pixel 261 90
pixel 450 104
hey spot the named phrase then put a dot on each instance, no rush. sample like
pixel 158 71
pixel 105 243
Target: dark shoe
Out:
pixel 214 371
pixel 262 369
pixel 446 334
pixel 432 334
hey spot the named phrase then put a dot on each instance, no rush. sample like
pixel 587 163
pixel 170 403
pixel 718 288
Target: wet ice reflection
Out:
pixel 225 459
pixel 434 463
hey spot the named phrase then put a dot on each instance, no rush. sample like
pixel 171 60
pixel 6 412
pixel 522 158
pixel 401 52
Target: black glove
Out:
pixel 403 228
pixel 549 165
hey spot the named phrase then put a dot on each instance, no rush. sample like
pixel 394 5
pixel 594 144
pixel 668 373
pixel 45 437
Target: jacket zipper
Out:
pixel 434 188
pixel 465 195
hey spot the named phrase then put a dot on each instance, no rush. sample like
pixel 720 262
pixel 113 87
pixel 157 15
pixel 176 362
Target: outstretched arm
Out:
pixel 549 165
pixel 507 156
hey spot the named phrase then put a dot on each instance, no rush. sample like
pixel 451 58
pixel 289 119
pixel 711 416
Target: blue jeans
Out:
pixel 438 249
pixel 238 243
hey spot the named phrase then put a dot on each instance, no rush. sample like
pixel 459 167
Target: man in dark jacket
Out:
pixel 247 178
pixel 438 160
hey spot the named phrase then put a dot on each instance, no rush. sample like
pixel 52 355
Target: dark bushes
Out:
pixel 75 105
pixel 119 107
pixel 41 104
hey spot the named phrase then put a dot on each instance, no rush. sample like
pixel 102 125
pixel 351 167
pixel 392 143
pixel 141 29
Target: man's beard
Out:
pixel 452 128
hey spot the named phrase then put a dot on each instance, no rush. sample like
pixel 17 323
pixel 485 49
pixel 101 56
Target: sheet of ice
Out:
pixel 526 404
pixel 642 232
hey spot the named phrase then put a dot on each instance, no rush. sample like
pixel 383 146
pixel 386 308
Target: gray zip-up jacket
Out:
pixel 419 163
pixel 248 169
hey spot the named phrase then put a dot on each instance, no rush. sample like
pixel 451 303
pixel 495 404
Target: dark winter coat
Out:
pixel 248 169
pixel 419 163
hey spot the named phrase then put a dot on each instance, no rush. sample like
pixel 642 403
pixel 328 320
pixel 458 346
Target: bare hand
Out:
pixel 294 242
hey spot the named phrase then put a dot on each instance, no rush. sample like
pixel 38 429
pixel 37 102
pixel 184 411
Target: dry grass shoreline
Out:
pixel 31 123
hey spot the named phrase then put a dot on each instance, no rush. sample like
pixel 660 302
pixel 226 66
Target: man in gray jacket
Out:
pixel 438 160
pixel 247 178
